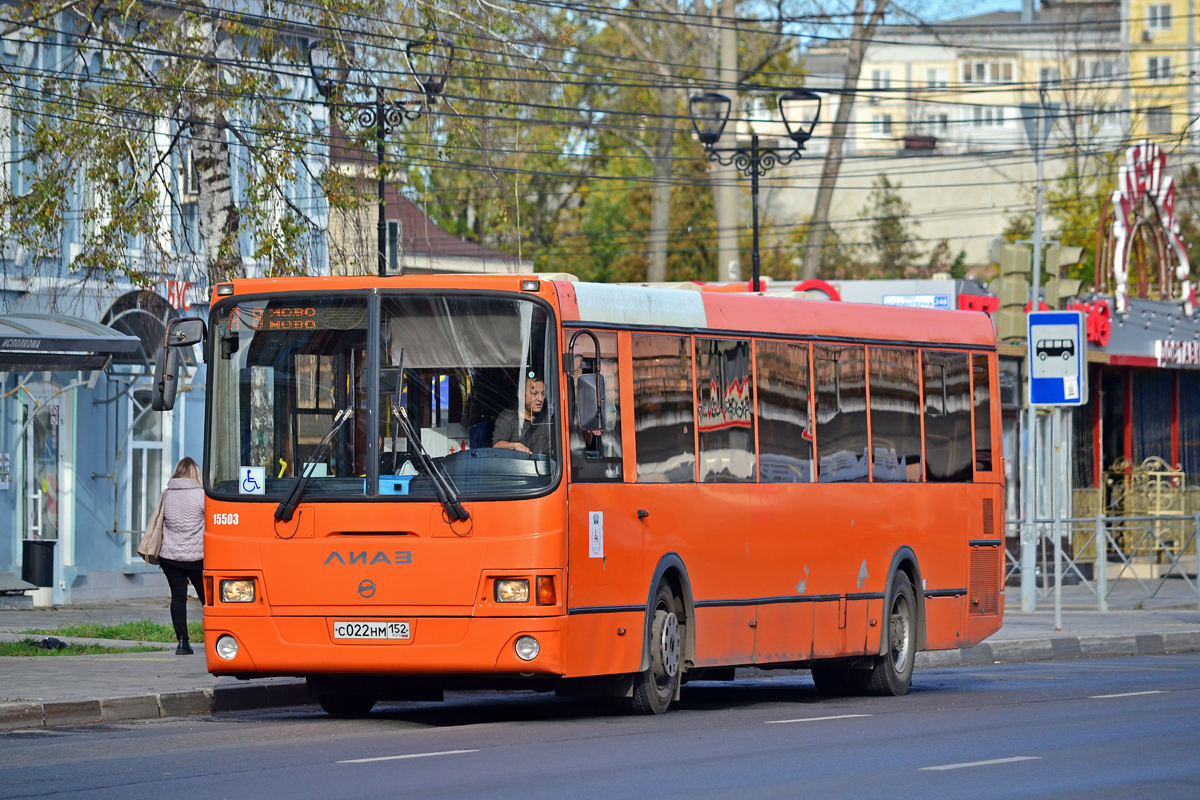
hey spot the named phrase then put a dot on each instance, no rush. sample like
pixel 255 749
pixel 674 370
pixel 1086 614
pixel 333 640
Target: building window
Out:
pixel 987 71
pixel 1049 76
pixel 393 247
pixel 881 79
pixel 1158 68
pixel 1099 69
pixel 1158 120
pixel 939 124
pixel 987 117
pixel 881 124
pixel 1158 18
pixel 1104 115
pixel 937 78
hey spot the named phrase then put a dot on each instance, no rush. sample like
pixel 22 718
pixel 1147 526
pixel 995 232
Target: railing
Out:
pixel 1098 551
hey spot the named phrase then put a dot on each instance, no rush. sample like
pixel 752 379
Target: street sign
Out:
pixel 1029 115
pixel 1057 358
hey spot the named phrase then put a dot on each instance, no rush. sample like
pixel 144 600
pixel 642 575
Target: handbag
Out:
pixel 151 543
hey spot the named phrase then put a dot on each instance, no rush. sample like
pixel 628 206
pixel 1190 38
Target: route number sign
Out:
pixel 1057 358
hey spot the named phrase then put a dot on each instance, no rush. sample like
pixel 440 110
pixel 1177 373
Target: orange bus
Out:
pixel 425 482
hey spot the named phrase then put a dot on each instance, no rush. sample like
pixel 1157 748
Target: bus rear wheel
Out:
pixel 892 672
pixel 345 704
pixel 654 689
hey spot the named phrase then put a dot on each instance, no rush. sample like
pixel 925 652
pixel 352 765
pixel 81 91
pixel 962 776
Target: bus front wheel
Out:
pixel 654 689
pixel 892 672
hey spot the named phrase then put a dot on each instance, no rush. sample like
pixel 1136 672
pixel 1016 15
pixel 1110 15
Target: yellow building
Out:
pixel 957 85
pixel 1161 37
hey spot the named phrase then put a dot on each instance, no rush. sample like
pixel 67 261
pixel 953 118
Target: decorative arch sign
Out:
pixel 1145 198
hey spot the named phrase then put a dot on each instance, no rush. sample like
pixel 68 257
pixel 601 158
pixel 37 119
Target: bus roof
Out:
pixel 644 306
pixel 688 309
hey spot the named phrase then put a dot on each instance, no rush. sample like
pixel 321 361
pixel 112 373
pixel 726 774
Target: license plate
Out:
pixel 372 630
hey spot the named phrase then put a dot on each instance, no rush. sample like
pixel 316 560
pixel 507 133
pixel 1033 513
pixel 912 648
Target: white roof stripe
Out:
pixel 640 305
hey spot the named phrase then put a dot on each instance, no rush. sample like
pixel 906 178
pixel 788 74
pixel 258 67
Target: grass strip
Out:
pixel 145 630
pixel 26 647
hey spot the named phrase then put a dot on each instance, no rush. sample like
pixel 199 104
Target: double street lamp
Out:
pixel 798 108
pixel 429 60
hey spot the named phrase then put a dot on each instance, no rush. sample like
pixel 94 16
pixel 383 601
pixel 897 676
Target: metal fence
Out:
pixel 1098 551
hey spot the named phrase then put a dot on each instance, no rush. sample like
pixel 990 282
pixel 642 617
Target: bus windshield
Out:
pixel 469 372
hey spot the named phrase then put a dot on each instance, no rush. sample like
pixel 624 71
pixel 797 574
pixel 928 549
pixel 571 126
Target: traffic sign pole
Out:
pixel 1028 532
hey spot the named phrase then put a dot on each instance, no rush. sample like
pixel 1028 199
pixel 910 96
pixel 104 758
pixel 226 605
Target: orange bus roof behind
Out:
pixel 682 308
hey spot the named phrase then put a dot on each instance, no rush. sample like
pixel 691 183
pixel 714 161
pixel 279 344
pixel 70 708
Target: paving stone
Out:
pixel 182 704
pixel 72 712
pixel 20 715
pixel 138 707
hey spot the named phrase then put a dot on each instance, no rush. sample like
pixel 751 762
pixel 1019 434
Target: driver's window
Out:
pixel 595 454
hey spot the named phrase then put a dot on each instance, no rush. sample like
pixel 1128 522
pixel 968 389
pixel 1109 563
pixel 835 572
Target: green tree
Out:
pixel 107 101
pixel 890 245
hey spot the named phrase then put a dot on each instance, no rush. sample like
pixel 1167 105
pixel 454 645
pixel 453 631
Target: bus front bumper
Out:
pixel 282 645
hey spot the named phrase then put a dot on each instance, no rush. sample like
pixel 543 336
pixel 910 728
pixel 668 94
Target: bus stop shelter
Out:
pixel 52 342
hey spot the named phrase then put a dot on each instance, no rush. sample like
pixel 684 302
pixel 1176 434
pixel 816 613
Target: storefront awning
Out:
pixel 57 342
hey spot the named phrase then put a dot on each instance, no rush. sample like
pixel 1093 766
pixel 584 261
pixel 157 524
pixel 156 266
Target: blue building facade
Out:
pixel 83 460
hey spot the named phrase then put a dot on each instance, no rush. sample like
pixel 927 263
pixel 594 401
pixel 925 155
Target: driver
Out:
pixel 527 431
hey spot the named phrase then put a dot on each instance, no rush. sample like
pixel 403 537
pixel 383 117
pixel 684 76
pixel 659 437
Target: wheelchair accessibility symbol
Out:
pixel 252 480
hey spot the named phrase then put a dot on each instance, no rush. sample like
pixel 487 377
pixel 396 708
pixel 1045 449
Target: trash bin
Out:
pixel 37 561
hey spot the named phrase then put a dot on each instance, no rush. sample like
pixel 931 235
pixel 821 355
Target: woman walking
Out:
pixel 182 553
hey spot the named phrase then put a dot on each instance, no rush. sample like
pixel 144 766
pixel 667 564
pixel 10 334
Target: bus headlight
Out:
pixel 227 647
pixel 512 590
pixel 527 648
pixel 237 591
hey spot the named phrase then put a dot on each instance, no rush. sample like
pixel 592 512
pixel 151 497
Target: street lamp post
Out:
pixel 382 116
pixel 710 114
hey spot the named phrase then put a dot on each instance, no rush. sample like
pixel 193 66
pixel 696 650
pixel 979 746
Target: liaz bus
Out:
pixel 417 483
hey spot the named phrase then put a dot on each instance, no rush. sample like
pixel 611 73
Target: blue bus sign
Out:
pixel 1057 358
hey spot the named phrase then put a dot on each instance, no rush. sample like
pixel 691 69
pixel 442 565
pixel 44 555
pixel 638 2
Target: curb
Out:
pixel 1063 647
pixel 17 716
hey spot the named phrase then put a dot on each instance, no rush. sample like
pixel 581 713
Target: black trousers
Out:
pixel 178 574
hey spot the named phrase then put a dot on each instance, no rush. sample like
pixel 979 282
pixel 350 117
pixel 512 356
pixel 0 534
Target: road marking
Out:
pixel 406 755
pixel 814 719
pixel 982 763
pixel 1126 694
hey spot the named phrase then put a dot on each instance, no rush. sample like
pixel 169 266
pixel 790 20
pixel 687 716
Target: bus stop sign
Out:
pixel 1057 358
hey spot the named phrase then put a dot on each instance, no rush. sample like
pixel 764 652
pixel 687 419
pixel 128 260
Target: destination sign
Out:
pixel 313 317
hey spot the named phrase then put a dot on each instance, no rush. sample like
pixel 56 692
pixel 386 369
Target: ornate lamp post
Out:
pixel 798 108
pixel 429 61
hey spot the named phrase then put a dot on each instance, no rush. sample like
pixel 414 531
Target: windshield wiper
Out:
pixel 287 508
pixel 446 493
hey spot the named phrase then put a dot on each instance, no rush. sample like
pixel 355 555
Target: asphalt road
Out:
pixel 1122 728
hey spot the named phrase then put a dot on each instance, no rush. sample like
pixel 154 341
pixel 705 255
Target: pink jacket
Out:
pixel 183 521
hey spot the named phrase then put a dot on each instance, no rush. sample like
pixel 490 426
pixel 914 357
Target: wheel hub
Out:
pixel 670 644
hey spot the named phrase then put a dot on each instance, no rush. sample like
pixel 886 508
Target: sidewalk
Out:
pixel 65 690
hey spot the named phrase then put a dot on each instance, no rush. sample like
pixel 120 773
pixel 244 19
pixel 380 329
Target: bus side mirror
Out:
pixel 166 379
pixel 589 402
pixel 185 332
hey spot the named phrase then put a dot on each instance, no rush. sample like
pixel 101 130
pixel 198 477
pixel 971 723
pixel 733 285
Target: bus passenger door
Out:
pixel 606 591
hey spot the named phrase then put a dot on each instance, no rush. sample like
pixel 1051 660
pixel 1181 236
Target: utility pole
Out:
pixel 1029 530
pixel 725 191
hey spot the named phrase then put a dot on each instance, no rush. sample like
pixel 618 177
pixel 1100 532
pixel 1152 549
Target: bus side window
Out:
pixel 785 437
pixel 895 415
pixel 596 456
pixel 983 414
pixel 841 389
pixel 948 454
pixel 725 410
pixel 664 409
